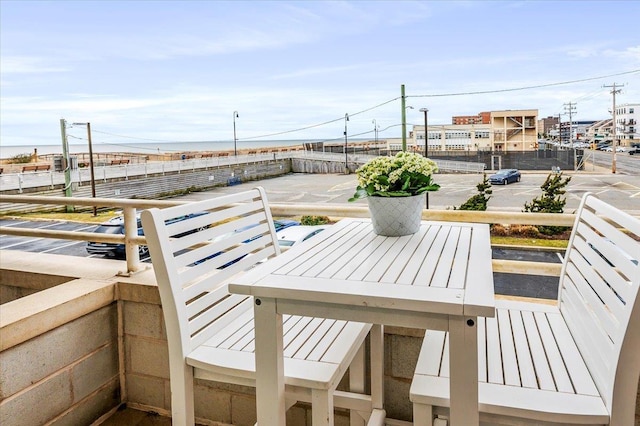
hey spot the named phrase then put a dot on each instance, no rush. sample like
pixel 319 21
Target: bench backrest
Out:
pixel 195 249
pixel 598 299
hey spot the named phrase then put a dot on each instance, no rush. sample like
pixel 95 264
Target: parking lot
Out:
pixel 622 191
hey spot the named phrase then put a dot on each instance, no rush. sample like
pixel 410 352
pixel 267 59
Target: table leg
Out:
pixel 463 367
pixel 270 396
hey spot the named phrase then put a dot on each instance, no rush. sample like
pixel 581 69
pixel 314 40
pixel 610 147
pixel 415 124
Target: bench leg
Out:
pixel 182 406
pixel 321 407
pixel 357 374
pixel 422 414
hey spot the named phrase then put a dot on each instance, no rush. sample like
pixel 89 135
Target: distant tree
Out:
pixel 551 201
pixel 478 201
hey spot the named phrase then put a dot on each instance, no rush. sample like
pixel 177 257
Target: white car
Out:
pixel 293 235
pixel 610 149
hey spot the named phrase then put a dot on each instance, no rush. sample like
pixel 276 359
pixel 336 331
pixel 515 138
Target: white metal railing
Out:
pixel 131 239
pixel 360 158
pixel 22 180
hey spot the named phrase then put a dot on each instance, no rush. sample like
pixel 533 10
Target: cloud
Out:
pixel 28 64
pixel 632 53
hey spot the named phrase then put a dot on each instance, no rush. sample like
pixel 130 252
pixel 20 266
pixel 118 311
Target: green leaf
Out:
pixel 360 193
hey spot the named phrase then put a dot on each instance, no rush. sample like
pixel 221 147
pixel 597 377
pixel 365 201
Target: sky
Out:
pixel 164 71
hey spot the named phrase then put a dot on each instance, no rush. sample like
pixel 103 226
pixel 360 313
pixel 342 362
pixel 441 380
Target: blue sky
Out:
pixel 176 71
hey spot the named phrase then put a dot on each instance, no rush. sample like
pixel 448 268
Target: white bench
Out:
pixel 210 331
pixel 577 362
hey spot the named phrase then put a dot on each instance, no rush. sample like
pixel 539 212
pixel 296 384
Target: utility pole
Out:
pixel 569 109
pixel 614 90
pixel 426 146
pixel 68 191
pixel 404 118
pixel 560 128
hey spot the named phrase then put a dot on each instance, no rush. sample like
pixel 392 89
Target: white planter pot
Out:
pixel 396 216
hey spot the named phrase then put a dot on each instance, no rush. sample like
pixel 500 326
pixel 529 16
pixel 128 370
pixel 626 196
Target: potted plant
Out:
pixel 393 187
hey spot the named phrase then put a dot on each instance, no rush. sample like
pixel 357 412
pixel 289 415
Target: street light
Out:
pixel 93 177
pixel 346 163
pixel 375 131
pixel 235 140
pixel 426 145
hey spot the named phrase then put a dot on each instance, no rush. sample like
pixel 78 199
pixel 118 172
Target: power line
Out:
pixel 320 124
pixel 380 105
pixel 514 89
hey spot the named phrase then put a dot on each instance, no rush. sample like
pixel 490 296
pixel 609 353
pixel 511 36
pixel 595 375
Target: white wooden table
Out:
pixel 439 278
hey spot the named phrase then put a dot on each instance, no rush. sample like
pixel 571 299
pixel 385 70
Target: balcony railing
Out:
pixel 131 239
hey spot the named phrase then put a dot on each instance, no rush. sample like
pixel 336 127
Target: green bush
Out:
pixel 478 201
pixel 314 220
pixel 550 201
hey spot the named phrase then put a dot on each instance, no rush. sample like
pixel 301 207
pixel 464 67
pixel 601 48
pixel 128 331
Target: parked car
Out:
pixel 297 234
pixel 115 226
pixel 634 151
pixel 610 149
pixel 505 176
pixel 279 224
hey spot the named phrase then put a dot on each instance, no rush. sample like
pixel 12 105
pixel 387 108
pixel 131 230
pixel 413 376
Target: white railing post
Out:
pixel 131 232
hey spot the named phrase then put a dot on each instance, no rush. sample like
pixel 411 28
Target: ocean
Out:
pixel 150 147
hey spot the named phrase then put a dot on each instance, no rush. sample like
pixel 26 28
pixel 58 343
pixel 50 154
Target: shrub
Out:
pixel 529 231
pixel 499 230
pixel 314 220
pixel 478 201
pixel 550 201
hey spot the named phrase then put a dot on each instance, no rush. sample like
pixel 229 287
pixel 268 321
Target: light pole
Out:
pixel 235 140
pixel 426 145
pixel 375 130
pixel 346 160
pixel 93 176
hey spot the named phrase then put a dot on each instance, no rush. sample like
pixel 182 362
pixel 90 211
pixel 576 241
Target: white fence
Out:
pixel 23 180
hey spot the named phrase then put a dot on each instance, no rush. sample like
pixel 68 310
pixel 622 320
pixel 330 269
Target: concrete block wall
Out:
pixel 66 376
pixel 147 371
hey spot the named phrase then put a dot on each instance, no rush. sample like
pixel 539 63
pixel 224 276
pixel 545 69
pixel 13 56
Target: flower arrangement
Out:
pixel 404 175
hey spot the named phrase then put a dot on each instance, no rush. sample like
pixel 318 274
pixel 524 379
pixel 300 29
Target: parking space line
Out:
pixel 73 243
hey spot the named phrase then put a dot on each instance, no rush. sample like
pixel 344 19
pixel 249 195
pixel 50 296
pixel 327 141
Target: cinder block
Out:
pixel 243 410
pixel 143 319
pixel 95 371
pixel 39 404
pixel 48 353
pixel 87 411
pixel 396 399
pixel 147 356
pixel 404 351
pixel 212 403
pixel 149 391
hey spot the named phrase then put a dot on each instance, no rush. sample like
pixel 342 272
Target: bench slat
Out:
pixel 508 350
pixel 527 372
pixel 541 365
pixel 556 362
pixel 578 372
pixel 494 357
